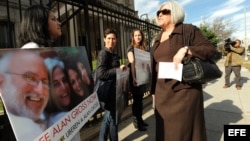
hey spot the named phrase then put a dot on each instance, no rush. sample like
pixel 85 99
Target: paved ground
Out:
pixel 222 106
pixel 226 106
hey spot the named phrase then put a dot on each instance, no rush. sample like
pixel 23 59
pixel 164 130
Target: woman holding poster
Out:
pixel 107 64
pixel 137 41
pixel 39 28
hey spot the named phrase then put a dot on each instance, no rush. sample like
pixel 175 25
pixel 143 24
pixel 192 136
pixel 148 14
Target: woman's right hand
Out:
pixel 123 67
pixel 179 56
pixel 134 83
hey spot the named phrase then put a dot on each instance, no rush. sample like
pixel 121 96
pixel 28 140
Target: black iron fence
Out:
pixel 82 21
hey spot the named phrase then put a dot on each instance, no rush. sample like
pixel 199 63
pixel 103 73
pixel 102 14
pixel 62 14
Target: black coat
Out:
pixel 107 63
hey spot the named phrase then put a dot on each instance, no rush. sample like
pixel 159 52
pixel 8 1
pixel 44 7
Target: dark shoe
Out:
pixel 142 128
pixel 135 122
pixel 137 125
pixel 225 86
pixel 144 123
pixel 238 87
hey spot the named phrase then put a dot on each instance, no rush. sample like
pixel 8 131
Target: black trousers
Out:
pixel 137 106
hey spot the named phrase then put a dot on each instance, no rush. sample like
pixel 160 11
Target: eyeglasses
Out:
pixel 164 12
pixel 32 79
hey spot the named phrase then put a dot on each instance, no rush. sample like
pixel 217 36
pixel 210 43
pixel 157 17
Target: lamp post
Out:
pixel 246 41
pixel 144 15
pixel 147 33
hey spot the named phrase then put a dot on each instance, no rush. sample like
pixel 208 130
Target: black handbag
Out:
pixel 199 71
pixel 196 70
pixel 103 89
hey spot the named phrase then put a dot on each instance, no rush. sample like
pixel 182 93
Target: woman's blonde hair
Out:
pixel 177 11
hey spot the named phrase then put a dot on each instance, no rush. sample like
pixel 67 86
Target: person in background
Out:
pixel 233 63
pixel 24 88
pixel 137 41
pixel 179 109
pixel 39 28
pixel 107 63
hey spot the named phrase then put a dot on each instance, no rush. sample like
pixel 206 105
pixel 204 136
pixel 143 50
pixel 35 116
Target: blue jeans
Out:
pixel 108 128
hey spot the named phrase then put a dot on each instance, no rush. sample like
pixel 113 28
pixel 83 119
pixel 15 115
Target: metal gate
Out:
pixel 82 21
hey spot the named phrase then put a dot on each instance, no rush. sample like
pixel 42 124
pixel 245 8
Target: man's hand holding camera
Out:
pixel 229 44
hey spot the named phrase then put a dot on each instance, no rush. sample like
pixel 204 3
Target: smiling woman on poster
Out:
pixel 80 89
pixel 60 95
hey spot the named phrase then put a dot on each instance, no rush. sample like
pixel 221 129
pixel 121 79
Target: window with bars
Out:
pixel 7 35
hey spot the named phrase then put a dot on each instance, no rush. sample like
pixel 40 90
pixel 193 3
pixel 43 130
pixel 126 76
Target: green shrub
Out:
pixel 1 105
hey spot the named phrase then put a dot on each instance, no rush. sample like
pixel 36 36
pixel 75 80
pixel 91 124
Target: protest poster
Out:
pixel 142 66
pixel 122 89
pixel 47 92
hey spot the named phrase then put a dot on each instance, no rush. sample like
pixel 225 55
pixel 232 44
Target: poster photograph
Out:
pixel 122 90
pixel 47 92
pixel 142 66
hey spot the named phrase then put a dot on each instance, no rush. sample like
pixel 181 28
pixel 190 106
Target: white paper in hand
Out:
pixel 167 71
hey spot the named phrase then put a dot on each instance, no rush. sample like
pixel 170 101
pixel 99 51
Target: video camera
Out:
pixel 228 42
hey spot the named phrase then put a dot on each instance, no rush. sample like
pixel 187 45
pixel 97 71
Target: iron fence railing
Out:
pixel 82 21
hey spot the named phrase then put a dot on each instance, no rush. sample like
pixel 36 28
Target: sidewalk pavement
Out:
pixel 226 106
pixel 222 106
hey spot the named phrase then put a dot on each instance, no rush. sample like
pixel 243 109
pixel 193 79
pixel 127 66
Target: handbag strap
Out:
pixel 186 42
pixel 187 58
